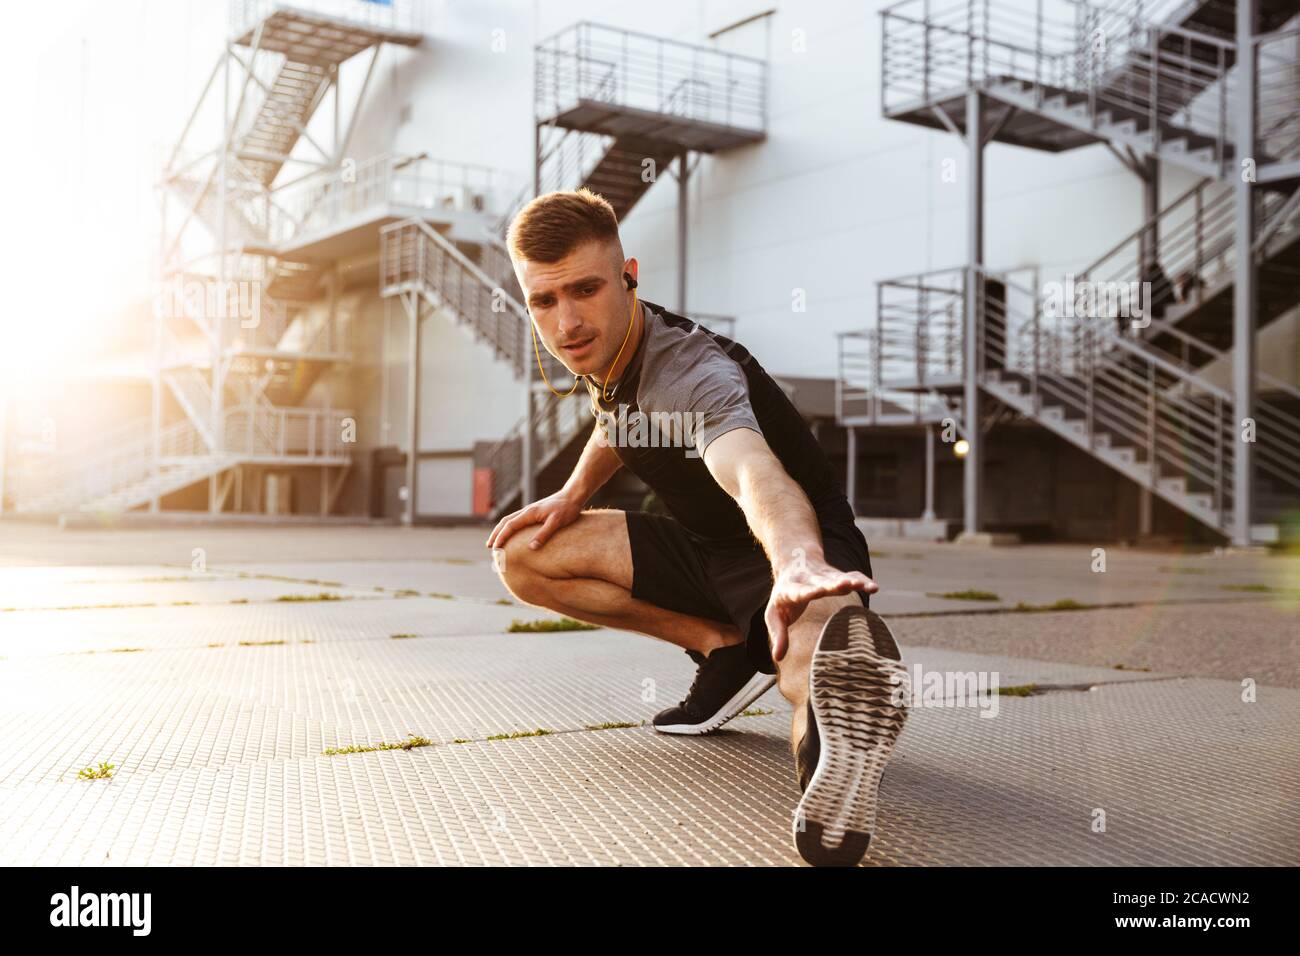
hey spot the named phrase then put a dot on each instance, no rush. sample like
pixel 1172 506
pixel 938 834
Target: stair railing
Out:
pixel 1174 417
pixel 414 255
pixel 1112 63
pixel 556 422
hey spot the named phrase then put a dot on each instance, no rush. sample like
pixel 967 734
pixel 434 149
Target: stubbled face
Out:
pixel 580 305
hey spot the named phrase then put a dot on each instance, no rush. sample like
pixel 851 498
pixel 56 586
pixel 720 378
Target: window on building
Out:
pixel 878 476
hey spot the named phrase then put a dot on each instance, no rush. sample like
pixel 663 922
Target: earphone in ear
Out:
pixel 631 283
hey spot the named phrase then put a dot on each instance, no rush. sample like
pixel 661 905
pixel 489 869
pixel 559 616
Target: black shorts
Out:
pixel 726 581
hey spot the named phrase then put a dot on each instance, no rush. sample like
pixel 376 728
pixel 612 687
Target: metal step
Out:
pixel 1174 485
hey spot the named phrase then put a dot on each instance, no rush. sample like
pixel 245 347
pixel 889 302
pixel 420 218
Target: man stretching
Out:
pixel 758 571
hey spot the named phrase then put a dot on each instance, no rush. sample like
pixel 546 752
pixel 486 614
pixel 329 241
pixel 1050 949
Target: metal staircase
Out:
pixel 231 396
pixel 1156 78
pixel 1141 412
pixel 557 424
pixel 1156 81
pixel 240 394
pixel 416 258
pixel 114 472
pixel 1192 291
pixel 613 109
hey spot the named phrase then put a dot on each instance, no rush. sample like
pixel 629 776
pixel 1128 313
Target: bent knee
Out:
pixel 517 565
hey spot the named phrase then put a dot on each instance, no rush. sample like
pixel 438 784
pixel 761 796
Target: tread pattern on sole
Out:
pixel 858 689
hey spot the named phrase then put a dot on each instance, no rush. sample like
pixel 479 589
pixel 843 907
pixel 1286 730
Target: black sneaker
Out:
pixel 857 704
pixel 725 684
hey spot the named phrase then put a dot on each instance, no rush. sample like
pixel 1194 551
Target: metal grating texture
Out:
pixel 219 752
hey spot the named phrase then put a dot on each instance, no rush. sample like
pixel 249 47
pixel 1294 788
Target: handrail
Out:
pixel 1112 60
pixel 413 252
pixel 666 41
pixel 557 420
pixel 1176 421
pixel 323 199
pixel 637 70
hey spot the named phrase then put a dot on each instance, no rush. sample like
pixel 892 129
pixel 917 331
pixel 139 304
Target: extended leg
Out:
pixel 792 670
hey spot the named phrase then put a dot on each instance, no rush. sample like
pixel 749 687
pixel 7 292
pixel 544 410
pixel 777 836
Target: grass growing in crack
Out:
pixel 506 601
pixel 406 592
pixel 239 600
pixel 439 594
pixel 755 712
pixel 1064 604
pixel 104 772
pixel 539 732
pixel 970 594
pixel 400 637
pixel 562 624
pixel 258 643
pixel 1253 588
pixel 615 724
pixel 1121 667
pixel 1019 690
pixel 409 744
pixel 462 740
pixel 322 596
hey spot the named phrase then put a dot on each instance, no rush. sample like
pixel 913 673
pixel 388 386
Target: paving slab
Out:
pixel 217 716
pixel 1024 788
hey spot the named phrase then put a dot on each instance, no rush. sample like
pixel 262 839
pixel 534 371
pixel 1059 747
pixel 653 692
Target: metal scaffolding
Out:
pixel 1205 85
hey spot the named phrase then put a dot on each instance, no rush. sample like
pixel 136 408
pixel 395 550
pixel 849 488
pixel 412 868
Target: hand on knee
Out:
pixel 517 566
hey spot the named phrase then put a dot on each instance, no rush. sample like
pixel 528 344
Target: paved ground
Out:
pixel 216 701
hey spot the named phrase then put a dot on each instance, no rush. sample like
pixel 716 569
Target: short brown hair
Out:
pixel 554 224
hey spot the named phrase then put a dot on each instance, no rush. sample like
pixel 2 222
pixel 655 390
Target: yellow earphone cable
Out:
pixel 577 378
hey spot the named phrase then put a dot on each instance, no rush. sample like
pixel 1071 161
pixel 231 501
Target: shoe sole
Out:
pixel 853 685
pixel 754 688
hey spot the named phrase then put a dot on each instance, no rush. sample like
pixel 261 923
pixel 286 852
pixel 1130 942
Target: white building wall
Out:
pixel 836 198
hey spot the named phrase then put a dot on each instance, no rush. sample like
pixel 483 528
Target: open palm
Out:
pixel 799 584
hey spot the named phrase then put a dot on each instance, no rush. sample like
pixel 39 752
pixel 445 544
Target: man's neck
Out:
pixel 634 340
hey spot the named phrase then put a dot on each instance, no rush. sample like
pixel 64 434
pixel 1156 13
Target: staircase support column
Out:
pixel 851 475
pixel 1244 291
pixel 1150 257
pixel 527 486
pixel 412 305
pixel 974 460
pixel 155 403
pixel 928 514
pixel 683 196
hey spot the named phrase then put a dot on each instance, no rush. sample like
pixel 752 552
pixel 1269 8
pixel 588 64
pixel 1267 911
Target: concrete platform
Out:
pixel 217 715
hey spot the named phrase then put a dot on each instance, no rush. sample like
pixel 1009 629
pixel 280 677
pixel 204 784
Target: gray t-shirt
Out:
pixel 685 386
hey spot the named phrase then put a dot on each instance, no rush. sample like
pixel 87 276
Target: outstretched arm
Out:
pixel 785 524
